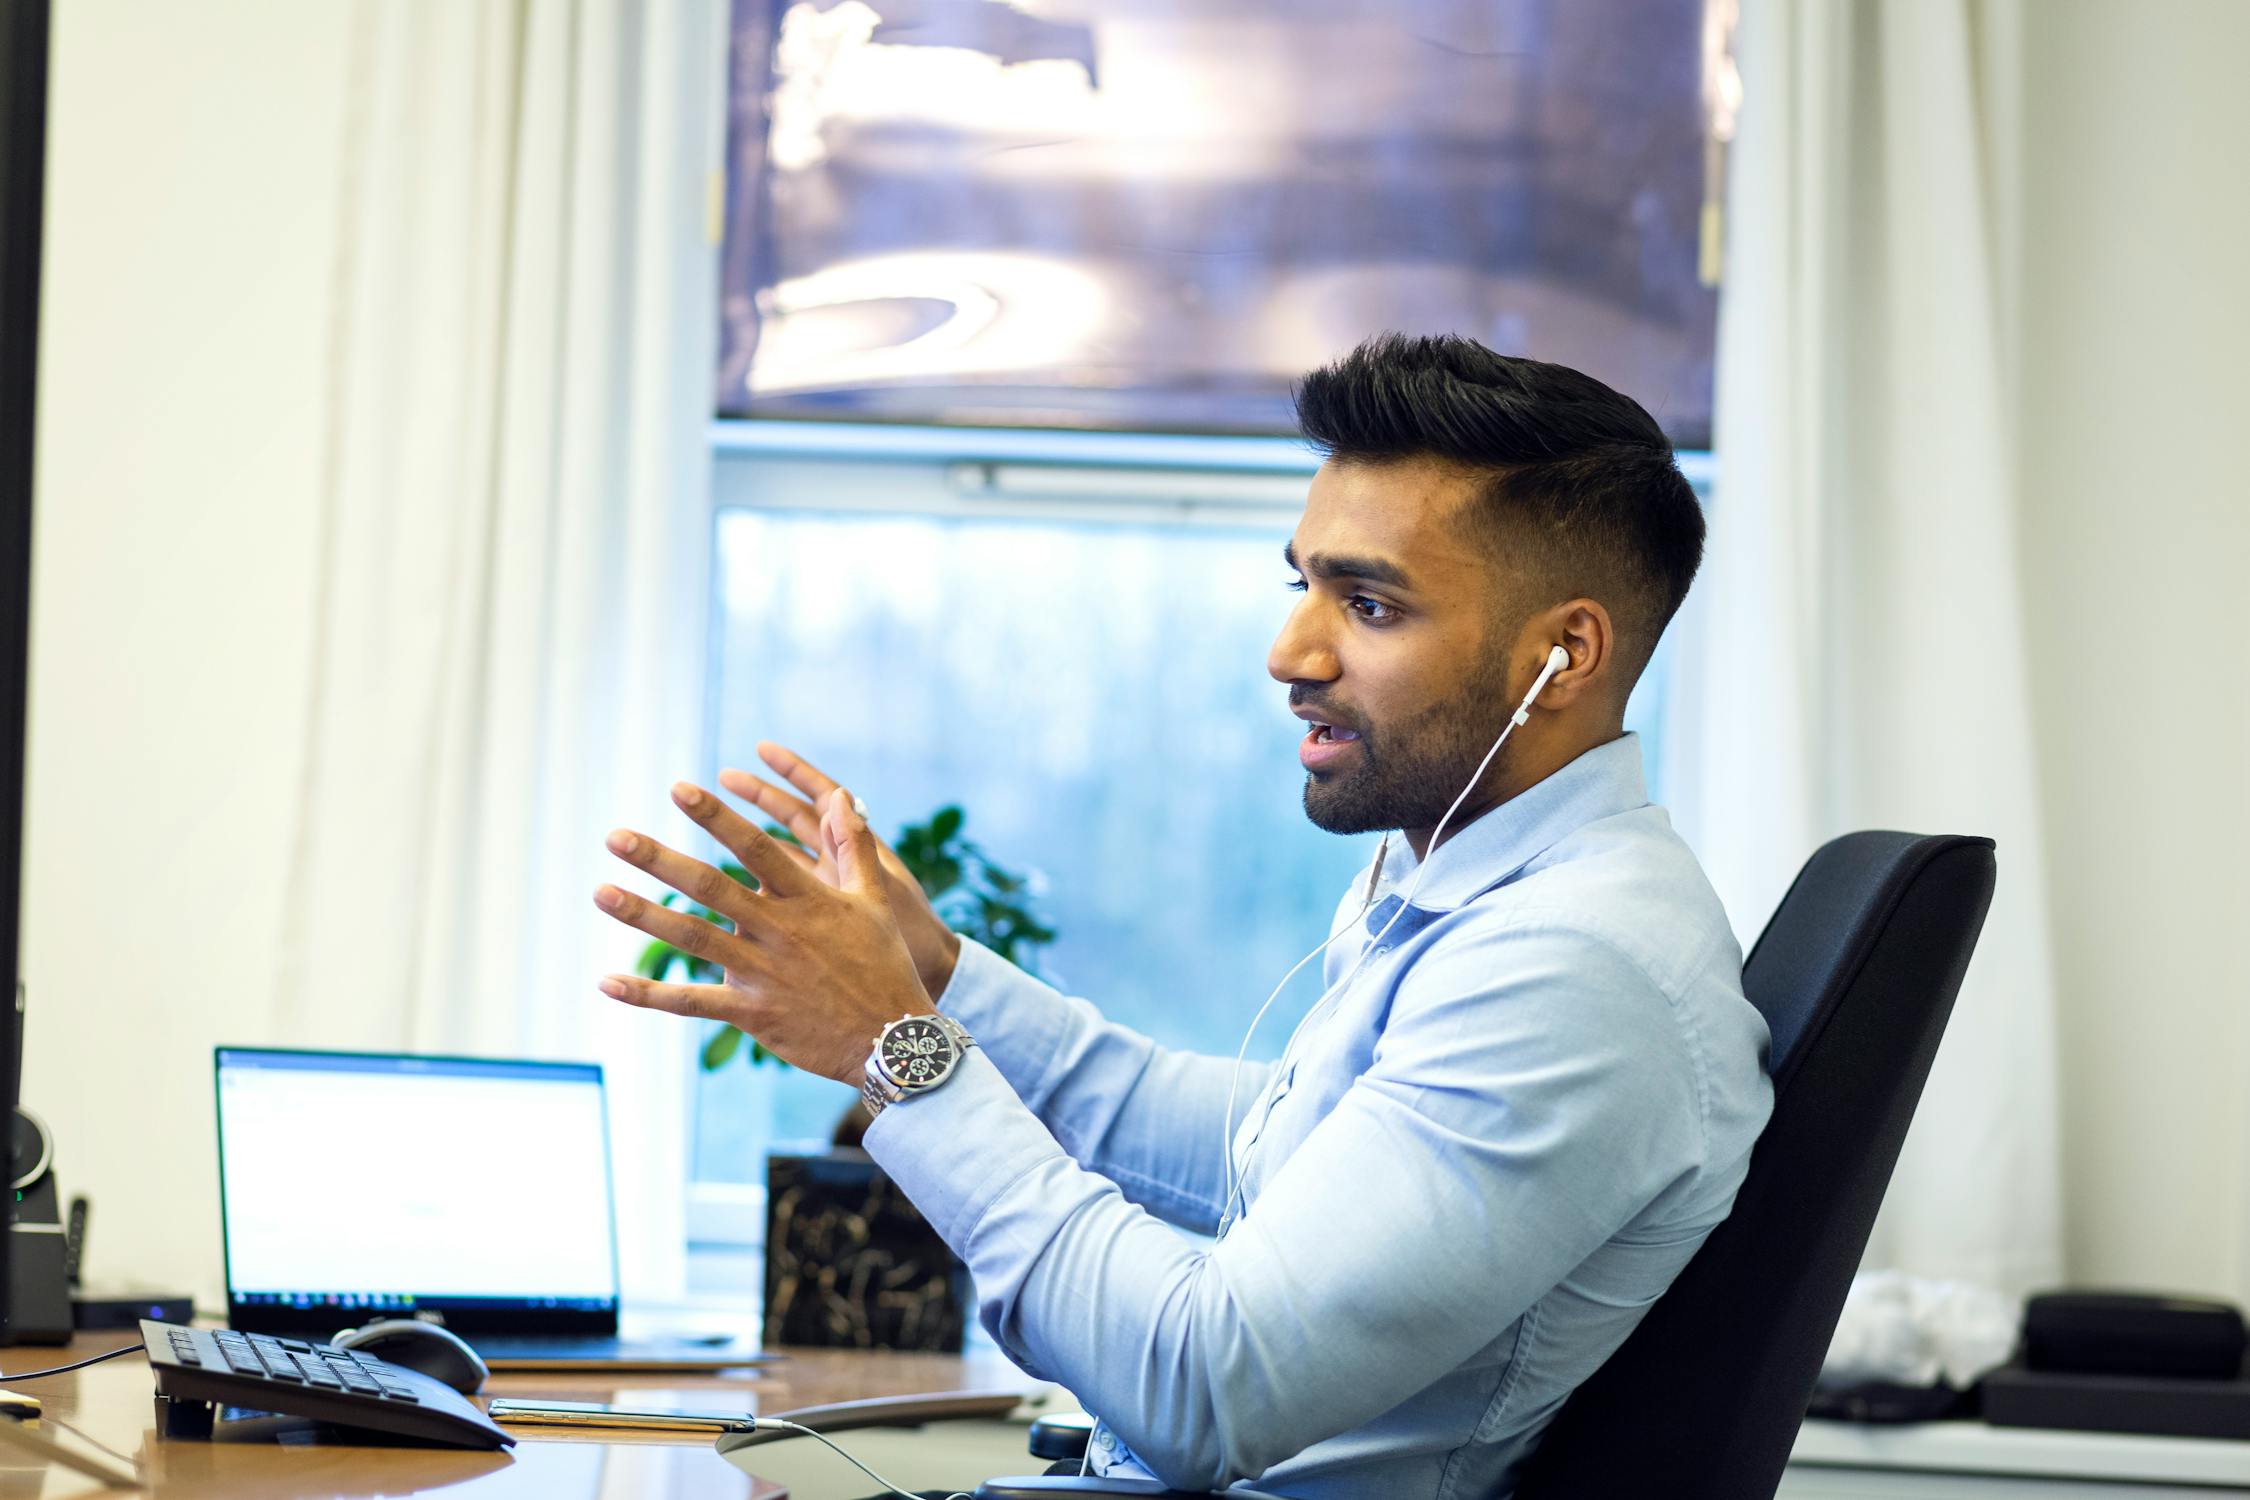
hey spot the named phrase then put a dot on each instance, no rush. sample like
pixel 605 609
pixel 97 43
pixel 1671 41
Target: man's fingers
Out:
pixel 792 813
pixel 691 935
pixel 709 1002
pixel 799 772
pixel 854 842
pixel 692 878
pixel 761 853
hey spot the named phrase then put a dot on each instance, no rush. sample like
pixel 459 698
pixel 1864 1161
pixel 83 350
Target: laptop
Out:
pixel 473 1192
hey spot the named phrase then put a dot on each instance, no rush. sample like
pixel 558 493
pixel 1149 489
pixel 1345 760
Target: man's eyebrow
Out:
pixel 1327 565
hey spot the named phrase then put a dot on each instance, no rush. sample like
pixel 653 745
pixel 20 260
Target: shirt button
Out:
pixel 1105 1442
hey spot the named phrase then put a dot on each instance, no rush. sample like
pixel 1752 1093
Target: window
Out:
pixel 1074 655
pixel 1154 214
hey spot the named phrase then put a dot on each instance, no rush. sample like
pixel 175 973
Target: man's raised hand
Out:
pixel 934 945
pixel 813 969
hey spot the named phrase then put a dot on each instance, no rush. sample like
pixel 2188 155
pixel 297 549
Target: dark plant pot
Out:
pixel 851 1264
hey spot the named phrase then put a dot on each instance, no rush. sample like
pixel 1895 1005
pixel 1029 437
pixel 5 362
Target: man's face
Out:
pixel 1395 648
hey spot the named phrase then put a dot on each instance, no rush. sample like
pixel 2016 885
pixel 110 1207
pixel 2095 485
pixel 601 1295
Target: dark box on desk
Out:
pixel 850 1263
pixel 2133 1333
pixel 2164 1406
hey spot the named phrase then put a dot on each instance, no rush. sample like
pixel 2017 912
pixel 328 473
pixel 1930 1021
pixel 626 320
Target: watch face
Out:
pixel 917 1052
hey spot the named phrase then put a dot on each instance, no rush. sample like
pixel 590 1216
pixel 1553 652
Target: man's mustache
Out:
pixel 1329 713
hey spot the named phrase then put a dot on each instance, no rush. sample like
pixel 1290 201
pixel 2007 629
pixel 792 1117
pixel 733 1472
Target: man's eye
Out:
pixel 1371 610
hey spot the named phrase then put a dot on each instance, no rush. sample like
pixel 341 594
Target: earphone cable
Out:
pixel 1234 1179
pixel 1234 1080
pixel 803 1431
pixel 117 1353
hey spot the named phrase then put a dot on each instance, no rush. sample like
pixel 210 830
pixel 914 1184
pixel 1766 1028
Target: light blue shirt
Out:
pixel 1489 1154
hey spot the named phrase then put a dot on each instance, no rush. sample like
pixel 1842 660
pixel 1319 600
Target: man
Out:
pixel 1531 1091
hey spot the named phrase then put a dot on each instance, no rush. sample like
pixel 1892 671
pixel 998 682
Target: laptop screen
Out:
pixel 371 1185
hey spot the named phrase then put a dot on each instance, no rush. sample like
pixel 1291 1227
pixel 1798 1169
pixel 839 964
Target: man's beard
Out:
pixel 1410 772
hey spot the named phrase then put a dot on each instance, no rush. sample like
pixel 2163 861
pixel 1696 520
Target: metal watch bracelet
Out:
pixel 878 1091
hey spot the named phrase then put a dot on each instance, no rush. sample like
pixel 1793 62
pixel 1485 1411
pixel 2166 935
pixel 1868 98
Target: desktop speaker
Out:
pixel 39 1310
pixel 2128 1333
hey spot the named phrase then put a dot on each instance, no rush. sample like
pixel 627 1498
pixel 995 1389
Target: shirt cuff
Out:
pixel 1016 1018
pixel 957 1148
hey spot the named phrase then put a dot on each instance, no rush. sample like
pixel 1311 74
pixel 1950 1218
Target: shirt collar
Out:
pixel 1604 781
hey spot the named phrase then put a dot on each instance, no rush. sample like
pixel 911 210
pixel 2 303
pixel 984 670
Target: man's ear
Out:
pixel 1582 628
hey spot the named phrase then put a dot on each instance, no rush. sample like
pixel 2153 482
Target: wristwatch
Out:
pixel 913 1055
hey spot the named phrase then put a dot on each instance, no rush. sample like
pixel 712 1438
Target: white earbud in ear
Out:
pixel 1557 659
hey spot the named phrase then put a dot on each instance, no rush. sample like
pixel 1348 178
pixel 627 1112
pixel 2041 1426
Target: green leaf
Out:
pixel 720 1046
pixel 655 959
pixel 945 823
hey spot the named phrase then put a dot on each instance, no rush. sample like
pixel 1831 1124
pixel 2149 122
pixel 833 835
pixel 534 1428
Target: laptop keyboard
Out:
pixel 292 1360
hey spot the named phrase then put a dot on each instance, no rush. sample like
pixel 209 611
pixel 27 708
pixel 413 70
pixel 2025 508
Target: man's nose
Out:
pixel 1300 653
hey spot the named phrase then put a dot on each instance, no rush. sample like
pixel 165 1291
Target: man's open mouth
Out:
pixel 1336 733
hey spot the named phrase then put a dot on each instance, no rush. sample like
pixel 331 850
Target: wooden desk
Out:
pixel 110 1404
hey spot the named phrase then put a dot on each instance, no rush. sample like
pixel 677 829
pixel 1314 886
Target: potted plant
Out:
pixel 848 1260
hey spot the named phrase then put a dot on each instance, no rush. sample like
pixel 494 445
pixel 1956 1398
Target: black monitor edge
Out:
pixel 23 146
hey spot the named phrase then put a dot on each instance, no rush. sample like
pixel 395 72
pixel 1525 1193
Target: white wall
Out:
pixel 190 234
pixel 2136 538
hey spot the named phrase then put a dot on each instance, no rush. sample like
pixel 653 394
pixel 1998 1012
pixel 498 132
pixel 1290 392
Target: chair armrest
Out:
pixel 1063 1435
pixel 1040 1486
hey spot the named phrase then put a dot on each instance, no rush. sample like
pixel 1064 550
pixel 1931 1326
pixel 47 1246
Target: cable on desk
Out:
pixel 847 1458
pixel 11 1375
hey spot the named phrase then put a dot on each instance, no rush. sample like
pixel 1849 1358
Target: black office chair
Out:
pixel 1856 975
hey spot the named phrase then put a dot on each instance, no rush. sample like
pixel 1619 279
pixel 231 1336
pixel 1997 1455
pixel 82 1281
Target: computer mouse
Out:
pixel 436 1352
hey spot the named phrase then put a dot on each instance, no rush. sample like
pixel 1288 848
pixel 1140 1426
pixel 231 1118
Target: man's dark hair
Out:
pixel 1577 480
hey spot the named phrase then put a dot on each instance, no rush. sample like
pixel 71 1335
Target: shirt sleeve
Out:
pixel 1149 1119
pixel 1528 1097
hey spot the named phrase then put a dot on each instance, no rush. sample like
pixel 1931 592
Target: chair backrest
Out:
pixel 1855 975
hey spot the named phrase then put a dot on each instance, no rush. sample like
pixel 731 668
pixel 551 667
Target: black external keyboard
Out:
pixel 199 1370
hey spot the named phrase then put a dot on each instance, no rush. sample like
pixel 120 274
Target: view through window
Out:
pixel 1093 695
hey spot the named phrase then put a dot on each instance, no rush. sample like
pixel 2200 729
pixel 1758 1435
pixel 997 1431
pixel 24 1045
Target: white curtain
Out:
pixel 515 555
pixel 1857 659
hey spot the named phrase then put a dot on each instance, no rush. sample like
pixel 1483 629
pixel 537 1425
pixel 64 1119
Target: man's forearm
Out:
pixel 1148 1118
